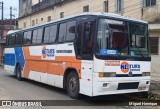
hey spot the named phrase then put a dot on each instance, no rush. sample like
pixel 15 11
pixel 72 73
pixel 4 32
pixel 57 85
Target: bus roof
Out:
pixel 12 31
pixel 90 13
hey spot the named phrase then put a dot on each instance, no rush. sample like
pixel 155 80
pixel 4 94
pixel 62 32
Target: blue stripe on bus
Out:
pixel 19 56
pixel 9 59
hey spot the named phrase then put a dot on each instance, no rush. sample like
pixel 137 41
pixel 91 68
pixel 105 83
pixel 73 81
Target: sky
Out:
pixel 7 4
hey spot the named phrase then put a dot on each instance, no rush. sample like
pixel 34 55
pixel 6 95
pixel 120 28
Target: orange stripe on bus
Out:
pixel 28 56
pixel 56 67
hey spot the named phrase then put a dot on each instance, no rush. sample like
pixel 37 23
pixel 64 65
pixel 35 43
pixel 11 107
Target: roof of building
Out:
pixel 92 13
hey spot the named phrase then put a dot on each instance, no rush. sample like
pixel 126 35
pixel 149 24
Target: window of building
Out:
pixel 62 32
pixel 49 18
pixel 61 14
pixel 86 8
pixel 105 7
pixel 37 36
pixel 154 42
pixel 27 37
pixel 36 21
pixel 24 24
pixel 119 5
pixel 71 26
pixel 50 33
pixel 33 22
pixel 41 19
pixel 149 3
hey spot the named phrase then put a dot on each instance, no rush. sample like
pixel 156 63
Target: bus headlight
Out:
pixel 111 74
pixel 146 74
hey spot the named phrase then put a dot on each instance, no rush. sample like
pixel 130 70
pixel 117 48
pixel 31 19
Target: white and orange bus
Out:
pixel 90 53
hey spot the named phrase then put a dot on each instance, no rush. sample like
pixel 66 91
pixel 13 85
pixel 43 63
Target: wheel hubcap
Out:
pixel 72 85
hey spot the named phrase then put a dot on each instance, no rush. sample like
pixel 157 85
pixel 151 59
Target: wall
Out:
pixel 35 2
pixel 151 14
pixel 155 58
pixel 25 7
pixel 71 8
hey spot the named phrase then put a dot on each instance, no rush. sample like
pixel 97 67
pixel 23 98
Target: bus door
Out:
pixel 84 42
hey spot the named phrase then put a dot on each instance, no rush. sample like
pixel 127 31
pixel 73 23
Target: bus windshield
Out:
pixel 120 38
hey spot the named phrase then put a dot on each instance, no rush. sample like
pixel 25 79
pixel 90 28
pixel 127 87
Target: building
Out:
pixel 5 26
pixel 33 12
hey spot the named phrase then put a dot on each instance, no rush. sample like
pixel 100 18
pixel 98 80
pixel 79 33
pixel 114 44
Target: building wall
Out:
pixel 71 8
pixel 35 2
pixel 152 14
pixel 25 7
pixel 134 9
pixel 155 58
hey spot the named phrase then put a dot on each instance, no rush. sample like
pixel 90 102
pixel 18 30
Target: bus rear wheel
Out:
pixel 18 72
pixel 73 85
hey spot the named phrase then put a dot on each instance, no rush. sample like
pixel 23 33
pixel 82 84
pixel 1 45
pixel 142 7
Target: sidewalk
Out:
pixel 154 93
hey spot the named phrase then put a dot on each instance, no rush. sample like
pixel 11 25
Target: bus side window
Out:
pixel 50 33
pixel 34 38
pixel 18 39
pixel 62 32
pixel 37 36
pixel 11 39
pixel 53 33
pixel 88 38
pixel 27 37
pixel 71 27
pixel 7 41
pixel 79 38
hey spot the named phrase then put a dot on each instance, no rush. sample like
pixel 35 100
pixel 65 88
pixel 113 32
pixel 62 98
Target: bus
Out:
pixel 90 53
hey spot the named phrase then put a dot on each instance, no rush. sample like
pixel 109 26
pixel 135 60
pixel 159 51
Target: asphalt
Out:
pixel 154 92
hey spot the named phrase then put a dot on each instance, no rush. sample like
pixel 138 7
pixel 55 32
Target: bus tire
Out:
pixel 18 72
pixel 73 85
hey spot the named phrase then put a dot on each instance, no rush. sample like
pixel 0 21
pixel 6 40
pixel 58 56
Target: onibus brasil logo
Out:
pixel 126 67
pixel 47 52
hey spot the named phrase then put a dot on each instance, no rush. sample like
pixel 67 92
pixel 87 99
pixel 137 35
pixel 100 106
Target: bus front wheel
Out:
pixel 18 72
pixel 73 85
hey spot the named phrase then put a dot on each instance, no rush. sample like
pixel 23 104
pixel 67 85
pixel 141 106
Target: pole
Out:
pixel 10 17
pixel 2 10
pixel 2 20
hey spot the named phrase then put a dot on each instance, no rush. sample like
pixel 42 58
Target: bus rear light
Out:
pixel 146 74
pixel 111 74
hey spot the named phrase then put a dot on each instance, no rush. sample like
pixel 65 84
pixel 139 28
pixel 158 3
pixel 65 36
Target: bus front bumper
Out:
pixel 120 85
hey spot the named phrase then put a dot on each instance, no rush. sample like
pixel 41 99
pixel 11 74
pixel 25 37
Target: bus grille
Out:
pixel 134 75
pixel 123 86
